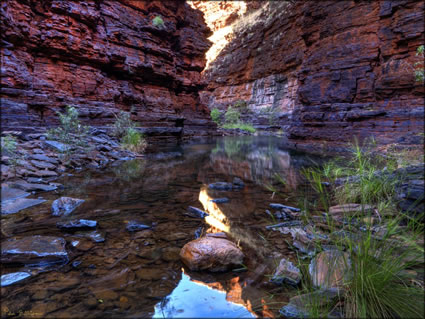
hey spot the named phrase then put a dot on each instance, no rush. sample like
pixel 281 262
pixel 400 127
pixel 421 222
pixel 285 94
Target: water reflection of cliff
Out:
pixel 229 297
pixel 255 159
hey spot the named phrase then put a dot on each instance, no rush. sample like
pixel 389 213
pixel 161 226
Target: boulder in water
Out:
pixel 211 253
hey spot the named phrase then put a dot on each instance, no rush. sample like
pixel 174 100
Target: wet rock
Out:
pixel 329 269
pixel 83 245
pixel 298 306
pixel 286 272
pixel 14 206
pixel 294 223
pixel 104 148
pixel 292 311
pixel 25 186
pixel 135 226
pixel 36 180
pixel 10 279
pixel 34 250
pixel 91 303
pixel 40 295
pixel 213 254
pixel 217 235
pixel 43 165
pixel 196 212
pixel 222 186
pixel 198 232
pixel 106 295
pixel 238 183
pixel 76 224
pixel 65 205
pixel 175 236
pixel 12 193
pixel 282 207
pixel 220 200
pixel 150 274
pixel 44 158
pixel 43 173
pixel 171 254
pixel 57 146
pixel 94 236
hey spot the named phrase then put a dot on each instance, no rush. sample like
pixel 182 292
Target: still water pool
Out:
pixel 139 274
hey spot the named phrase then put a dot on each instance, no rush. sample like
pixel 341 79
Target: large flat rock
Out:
pixel 33 250
pixel 25 186
pixel 12 193
pixel 14 206
pixel 14 277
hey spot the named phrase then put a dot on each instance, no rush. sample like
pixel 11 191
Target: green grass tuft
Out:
pixel 243 126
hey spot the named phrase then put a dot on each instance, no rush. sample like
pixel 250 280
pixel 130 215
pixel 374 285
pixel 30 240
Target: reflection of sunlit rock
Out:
pixel 216 218
pixel 189 300
pixel 220 221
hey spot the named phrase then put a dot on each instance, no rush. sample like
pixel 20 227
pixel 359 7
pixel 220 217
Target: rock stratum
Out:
pixel 323 71
pixel 102 57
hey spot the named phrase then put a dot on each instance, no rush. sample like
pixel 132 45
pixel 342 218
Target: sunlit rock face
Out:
pixel 102 57
pixel 328 70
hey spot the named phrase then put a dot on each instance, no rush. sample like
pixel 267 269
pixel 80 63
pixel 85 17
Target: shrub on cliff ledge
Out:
pixel 419 66
pixel 232 115
pixel 124 129
pixel 70 131
pixel 158 22
pixel 9 149
pixel 133 141
pixel 215 115
pixel 122 124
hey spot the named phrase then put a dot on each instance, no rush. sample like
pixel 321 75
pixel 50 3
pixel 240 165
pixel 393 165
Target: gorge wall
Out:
pixel 102 57
pixel 323 71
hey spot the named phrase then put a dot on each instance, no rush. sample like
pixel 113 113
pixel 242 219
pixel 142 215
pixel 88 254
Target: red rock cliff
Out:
pixel 329 70
pixel 103 56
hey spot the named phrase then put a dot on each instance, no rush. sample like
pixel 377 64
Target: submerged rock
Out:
pixel 34 250
pixel 211 253
pixel 196 212
pixel 221 186
pixel 298 306
pixel 14 206
pixel 12 193
pixel 9 279
pixel 286 272
pixel 94 236
pixel 237 182
pixel 292 311
pixel 79 223
pixel 65 205
pixel 220 200
pixel 330 269
pixel 135 226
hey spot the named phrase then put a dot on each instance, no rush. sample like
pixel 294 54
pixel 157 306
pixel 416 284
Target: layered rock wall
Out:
pixel 327 70
pixel 102 57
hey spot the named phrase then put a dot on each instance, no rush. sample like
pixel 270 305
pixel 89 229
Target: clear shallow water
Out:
pixel 140 274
